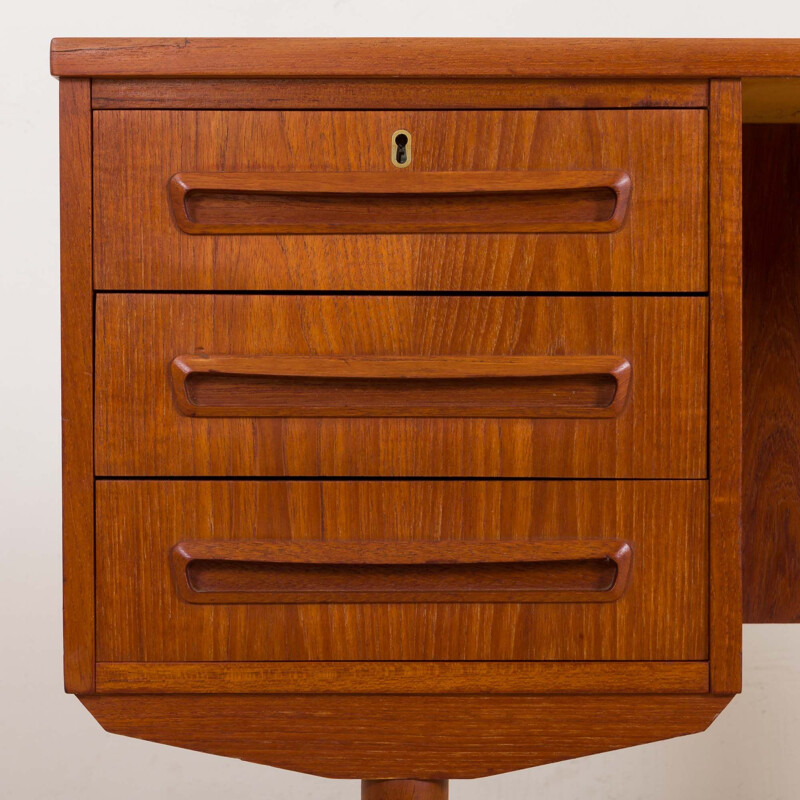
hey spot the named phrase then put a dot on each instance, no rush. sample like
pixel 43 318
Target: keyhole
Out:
pixel 401 140
pixel 401 148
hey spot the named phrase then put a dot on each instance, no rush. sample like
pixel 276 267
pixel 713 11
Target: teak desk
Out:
pixel 403 393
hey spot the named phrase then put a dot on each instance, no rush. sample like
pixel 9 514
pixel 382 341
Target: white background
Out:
pixel 49 746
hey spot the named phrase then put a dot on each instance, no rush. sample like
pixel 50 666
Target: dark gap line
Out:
pixel 376 478
pixel 433 662
pixel 404 293
pixel 121 106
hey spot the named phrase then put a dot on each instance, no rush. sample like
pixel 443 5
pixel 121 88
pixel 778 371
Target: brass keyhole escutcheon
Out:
pixel 401 148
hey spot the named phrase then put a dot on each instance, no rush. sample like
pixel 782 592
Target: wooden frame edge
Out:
pixel 395 93
pixel 77 383
pixel 424 57
pixel 404 677
pixel 725 385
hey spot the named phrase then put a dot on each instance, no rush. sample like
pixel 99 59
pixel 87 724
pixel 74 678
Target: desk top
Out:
pixel 426 58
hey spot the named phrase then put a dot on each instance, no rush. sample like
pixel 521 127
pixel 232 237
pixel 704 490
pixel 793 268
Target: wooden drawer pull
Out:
pixel 591 571
pixel 399 202
pixel 370 386
pixel 387 386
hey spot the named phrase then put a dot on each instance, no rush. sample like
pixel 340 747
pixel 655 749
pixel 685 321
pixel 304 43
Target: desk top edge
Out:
pixel 423 58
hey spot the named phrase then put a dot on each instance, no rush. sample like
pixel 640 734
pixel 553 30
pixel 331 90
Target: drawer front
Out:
pixel 586 201
pixel 447 570
pixel 232 385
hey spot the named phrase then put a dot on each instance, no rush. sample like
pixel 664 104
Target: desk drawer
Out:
pixel 232 385
pixel 578 201
pixel 401 570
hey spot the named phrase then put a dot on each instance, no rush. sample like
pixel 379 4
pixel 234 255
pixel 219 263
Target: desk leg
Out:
pixel 404 790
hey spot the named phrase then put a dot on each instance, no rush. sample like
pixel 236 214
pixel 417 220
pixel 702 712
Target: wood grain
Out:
pixel 725 389
pixel 512 201
pixel 404 790
pixel 662 616
pixel 252 571
pixel 77 383
pixel 395 386
pixel 660 433
pixel 407 677
pixel 467 659
pixel 425 57
pixel 400 93
pixel 771 100
pixel 771 553
pixel 661 247
pixel 383 737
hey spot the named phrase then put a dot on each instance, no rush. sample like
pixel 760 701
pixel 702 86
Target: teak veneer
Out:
pixel 399 362
pixel 661 524
pixel 415 392
pixel 646 169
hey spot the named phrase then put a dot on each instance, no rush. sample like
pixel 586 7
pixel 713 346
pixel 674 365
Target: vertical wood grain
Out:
pixel 661 247
pixel 771 512
pixel 662 616
pixel 725 389
pixel 76 382
pixel 404 790
pixel 661 433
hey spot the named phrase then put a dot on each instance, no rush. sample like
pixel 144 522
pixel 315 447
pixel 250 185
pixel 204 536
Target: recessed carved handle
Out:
pixel 399 202
pixel 571 571
pixel 386 386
